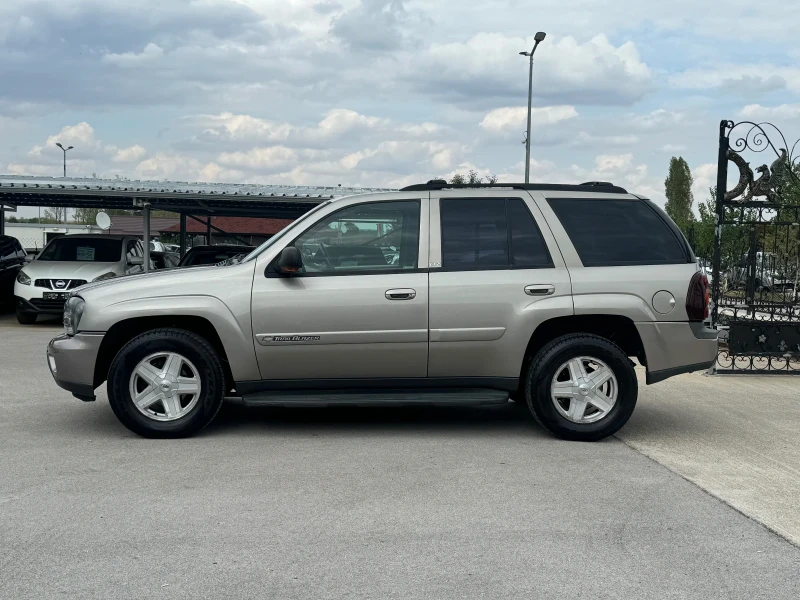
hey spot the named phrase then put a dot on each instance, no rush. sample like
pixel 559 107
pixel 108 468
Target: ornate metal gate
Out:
pixel 756 261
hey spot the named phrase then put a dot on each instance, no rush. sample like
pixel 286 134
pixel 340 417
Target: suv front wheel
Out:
pixel 166 383
pixel 581 387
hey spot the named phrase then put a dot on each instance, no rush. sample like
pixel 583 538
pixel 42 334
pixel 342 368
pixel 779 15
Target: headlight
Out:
pixel 23 278
pixel 73 311
pixel 105 276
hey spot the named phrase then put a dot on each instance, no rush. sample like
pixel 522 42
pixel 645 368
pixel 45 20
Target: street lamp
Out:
pixel 65 156
pixel 538 38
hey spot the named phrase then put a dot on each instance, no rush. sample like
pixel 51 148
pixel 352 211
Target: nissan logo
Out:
pixel 60 283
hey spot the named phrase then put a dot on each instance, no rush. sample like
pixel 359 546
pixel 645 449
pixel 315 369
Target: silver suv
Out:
pixel 436 294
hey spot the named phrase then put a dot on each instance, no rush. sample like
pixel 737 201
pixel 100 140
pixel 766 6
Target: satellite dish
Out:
pixel 103 220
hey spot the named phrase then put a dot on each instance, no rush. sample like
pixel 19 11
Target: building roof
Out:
pixel 179 196
pixel 233 225
pixel 90 228
pixel 134 225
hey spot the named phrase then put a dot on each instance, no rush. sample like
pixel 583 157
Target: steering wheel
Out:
pixel 326 256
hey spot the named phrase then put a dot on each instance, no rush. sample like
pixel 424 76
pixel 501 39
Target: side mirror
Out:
pixel 136 260
pixel 289 262
pixel 29 258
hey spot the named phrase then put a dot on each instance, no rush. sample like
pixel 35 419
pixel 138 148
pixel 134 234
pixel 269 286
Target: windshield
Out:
pixel 283 231
pixel 76 249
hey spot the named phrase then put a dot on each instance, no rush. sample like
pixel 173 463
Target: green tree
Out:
pixel 472 178
pixel 679 193
pixel 56 213
pixel 86 216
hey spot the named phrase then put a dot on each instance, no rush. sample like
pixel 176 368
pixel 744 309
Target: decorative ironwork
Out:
pixel 756 263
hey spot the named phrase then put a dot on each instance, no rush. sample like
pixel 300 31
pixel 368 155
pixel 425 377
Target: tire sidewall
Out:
pixel 187 345
pixel 544 367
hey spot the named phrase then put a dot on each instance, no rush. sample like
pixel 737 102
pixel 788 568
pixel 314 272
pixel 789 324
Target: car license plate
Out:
pixel 55 295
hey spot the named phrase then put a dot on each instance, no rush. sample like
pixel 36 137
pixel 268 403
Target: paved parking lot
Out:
pixel 439 503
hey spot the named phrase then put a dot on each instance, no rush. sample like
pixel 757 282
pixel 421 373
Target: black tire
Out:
pixel 26 318
pixel 187 344
pixel 549 359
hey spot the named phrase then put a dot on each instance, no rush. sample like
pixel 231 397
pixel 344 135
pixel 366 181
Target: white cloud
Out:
pixel 514 118
pixel 80 136
pixel 657 119
pixel 132 154
pixel 175 166
pixel 612 162
pixel 488 65
pixel 271 159
pixel 150 53
pixel 584 138
pixel 784 112
pixel 745 79
pixel 341 120
pixel 241 127
pixel 705 176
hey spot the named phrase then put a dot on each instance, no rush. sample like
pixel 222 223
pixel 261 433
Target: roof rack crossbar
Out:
pixel 603 187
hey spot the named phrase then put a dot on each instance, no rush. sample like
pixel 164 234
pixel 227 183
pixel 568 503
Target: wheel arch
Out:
pixel 615 328
pixel 124 331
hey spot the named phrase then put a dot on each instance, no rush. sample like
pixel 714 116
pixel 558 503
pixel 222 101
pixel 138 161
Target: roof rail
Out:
pixel 603 187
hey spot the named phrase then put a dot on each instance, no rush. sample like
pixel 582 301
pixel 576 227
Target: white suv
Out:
pixel 68 262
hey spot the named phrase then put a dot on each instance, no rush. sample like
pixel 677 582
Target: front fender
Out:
pixel 234 330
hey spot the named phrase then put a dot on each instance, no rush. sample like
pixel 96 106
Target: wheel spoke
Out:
pixel 563 389
pixel 577 408
pixel 147 397
pixel 148 372
pixel 601 401
pixel 576 369
pixel 187 385
pixel 600 376
pixel 173 365
pixel 172 405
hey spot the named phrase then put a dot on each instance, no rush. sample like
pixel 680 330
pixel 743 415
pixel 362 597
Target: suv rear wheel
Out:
pixel 166 383
pixel 581 387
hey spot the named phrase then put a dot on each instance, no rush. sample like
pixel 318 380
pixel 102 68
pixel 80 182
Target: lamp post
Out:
pixel 65 150
pixel 538 39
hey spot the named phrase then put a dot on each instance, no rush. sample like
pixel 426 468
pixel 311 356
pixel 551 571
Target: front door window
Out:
pixel 366 238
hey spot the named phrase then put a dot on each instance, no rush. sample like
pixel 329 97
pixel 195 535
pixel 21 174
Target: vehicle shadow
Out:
pixel 508 418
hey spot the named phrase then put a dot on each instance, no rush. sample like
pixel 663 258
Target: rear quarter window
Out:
pixel 617 232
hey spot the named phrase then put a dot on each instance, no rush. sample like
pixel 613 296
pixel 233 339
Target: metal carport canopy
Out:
pixel 207 199
pixel 214 199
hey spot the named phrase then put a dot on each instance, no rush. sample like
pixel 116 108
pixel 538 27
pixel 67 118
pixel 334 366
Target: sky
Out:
pixel 388 93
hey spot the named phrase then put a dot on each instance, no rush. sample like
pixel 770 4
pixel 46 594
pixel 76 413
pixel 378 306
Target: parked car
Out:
pixel 165 260
pixel 12 257
pixel 212 255
pixel 68 262
pixel 541 293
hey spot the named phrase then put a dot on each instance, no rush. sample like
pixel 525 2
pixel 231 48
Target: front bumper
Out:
pixel 674 348
pixel 72 360
pixel 39 306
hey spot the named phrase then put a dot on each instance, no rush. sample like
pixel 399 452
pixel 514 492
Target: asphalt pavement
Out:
pixel 369 503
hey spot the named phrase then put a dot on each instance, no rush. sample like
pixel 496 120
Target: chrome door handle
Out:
pixel 401 294
pixel 540 290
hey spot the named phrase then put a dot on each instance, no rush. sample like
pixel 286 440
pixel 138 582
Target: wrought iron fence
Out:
pixel 756 262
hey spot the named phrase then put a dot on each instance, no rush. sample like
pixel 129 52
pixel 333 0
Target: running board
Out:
pixel 456 397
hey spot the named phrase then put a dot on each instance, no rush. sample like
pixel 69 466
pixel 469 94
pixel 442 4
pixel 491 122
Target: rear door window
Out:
pixel 490 233
pixel 616 232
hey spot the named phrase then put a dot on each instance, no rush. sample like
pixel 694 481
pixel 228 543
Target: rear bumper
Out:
pixel 72 360
pixel 676 348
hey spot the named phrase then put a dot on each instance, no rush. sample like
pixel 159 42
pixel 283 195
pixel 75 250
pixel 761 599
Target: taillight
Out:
pixel 697 298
